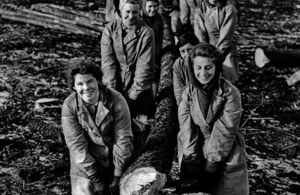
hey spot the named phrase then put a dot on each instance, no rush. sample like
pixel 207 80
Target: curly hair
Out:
pixel 82 66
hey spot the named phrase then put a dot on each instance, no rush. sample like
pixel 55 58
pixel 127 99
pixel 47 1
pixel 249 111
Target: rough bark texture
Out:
pixel 148 174
pixel 279 58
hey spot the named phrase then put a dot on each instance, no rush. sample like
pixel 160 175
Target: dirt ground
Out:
pixel 33 156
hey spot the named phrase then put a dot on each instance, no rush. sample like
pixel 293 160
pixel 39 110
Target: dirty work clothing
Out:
pixel 156 23
pixel 98 144
pixel 213 143
pixel 127 61
pixel 180 78
pixel 216 25
pixel 187 11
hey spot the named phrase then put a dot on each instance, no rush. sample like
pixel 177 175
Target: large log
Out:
pixel 148 173
pixel 279 58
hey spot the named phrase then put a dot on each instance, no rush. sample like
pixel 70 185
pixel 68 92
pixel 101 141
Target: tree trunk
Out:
pixel 279 58
pixel 148 173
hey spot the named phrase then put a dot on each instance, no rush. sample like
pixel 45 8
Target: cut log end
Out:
pixel 145 180
pixel 260 58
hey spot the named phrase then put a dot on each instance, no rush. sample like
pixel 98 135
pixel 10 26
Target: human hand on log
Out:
pixel 114 186
pixel 99 186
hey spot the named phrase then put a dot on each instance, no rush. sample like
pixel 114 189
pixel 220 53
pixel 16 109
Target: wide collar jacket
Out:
pixel 216 135
pixel 104 140
pixel 130 70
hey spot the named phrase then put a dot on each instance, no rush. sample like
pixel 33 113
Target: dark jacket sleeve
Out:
pixel 227 29
pixel 108 59
pixel 122 147
pixel 77 141
pixel 224 130
pixel 144 73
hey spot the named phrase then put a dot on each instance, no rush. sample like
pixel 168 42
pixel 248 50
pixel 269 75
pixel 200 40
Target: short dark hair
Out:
pixel 186 38
pixel 82 66
pixel 207 50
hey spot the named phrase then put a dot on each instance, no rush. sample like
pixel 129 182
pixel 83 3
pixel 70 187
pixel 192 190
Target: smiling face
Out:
pixel 86 86
pixel 204 69
pixel 151 8
pixel 130 14
pixel 184 50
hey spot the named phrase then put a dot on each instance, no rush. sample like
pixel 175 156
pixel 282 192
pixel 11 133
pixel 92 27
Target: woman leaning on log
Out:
pixel 211 150
pixel 154 20
pixel 180 74
pixel 97 128
pixel 214 23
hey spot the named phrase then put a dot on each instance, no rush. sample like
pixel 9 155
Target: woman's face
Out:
pixel 151 8
pixel 184 50
pixel 86 86
pixel 130 14
pixel 204 69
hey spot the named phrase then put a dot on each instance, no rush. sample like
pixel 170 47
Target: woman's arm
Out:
pixel 122 145
pixel 178 80
pixel 144 73
pixel 199 26
pixel 224 131
pixel 76 140
pixel 188 136
pixel 227 30
pixel 108 60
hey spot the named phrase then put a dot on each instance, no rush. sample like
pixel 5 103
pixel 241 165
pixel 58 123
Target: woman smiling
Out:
pixel 211 150
pixel 97 128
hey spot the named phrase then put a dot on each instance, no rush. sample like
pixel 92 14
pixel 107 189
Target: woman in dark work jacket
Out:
pixel 211 150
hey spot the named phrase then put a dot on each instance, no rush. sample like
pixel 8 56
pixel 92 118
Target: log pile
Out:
pixel 55 17
pixel 149 172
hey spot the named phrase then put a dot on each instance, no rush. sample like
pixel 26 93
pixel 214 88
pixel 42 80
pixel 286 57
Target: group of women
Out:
pixel 109 102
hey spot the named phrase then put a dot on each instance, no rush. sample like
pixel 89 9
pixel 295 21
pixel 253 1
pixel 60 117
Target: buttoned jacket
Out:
pixel 130 77
pixel 103 141
pixel 217 135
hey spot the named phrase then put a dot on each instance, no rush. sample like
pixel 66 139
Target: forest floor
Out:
pixel 33 156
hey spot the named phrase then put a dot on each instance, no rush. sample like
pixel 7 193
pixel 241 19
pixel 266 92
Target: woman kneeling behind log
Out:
pixel 97 127
pixel 211 150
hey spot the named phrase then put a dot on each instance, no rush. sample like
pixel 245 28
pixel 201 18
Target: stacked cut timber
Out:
pixel 55 17
pixel 148 173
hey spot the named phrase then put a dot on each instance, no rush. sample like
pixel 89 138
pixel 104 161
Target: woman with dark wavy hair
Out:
pixel 211 149
pixel 97 128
